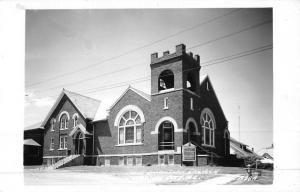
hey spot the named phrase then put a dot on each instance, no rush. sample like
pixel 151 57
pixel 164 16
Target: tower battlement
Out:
pixel 180 52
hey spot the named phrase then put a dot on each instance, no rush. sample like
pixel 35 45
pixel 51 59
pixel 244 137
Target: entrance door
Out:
pixel 166 136
pixel 79 144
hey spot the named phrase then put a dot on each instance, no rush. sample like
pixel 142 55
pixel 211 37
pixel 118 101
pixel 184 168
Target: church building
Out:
pixel 179 122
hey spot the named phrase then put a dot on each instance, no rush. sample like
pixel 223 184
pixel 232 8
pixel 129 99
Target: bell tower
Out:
pixel 176 71
pixel 175 91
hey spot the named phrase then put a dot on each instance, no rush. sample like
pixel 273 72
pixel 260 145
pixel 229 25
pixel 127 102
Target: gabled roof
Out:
pixel 87 106
pixel 242 152
pixel 34 126
pixel 237 142
pixel 202 80
pixel 103 111
pixel 82 128
pixel 31 142
pixel 141 93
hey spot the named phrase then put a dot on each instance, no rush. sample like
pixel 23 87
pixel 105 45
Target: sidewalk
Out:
pixel 221 180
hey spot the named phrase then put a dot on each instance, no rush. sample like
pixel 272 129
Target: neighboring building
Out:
pixel 33 145
pixel 140 128
pixel 240 149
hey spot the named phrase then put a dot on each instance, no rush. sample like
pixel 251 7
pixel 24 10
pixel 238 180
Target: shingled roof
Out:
pixel 86 105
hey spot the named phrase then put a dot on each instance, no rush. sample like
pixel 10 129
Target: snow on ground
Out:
pixel 161 175
pixel 157 175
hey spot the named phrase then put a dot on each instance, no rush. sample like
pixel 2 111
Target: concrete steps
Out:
pixel 62 162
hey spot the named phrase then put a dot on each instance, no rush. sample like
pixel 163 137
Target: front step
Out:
pixel 66 161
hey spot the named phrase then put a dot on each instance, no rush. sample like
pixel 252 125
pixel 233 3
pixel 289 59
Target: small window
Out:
pixel 75 121
pixel 129 160
pixel 107 161
pixel 161 159
pixel 61 142
pixel 171 159
pixel 52 122
pixel 51 144
pixel 65 142
pixel 192 104
pixel 138 160
pixel 207 86
pixel 121 161
pixel 166 106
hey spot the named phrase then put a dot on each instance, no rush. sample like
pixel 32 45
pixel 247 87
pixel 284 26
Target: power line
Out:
pixel 231 34
pixel 195 46
pixel 135 49
pixel 120 84
pixel 88 79
pixel 236 57
pixel 211 62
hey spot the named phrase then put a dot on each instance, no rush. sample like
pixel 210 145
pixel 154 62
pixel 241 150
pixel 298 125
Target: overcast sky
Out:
pixel 105 42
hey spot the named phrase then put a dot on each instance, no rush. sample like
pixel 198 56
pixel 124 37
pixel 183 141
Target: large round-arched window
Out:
pixel 130 128
pixel 208 125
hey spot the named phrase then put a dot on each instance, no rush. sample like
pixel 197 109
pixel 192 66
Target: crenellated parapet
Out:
pixel 180 52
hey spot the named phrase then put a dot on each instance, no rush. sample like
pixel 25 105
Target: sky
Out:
pixel 98 53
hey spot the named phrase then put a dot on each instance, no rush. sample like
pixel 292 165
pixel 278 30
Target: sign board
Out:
pixel 189 152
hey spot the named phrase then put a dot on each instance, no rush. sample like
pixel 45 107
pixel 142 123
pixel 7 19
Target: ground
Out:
pixel 159 175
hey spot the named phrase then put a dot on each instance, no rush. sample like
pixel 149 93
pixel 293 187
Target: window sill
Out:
pixel 129 144
pixel 51 149
pixel 63 129
pixel 62 149
pixel 211 146
pixel 166 90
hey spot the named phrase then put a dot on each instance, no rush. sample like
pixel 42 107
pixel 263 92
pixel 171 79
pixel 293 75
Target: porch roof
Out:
pixel 81 128
pixel 31 142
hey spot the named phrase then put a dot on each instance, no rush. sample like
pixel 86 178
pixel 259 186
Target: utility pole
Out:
pixel 239 123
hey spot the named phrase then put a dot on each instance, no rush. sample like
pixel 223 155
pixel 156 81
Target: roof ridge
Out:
pixel 67 91
pixel 139 90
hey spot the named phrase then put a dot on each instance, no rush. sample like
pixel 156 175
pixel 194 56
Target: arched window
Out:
pixel 208 124
pixel 52 123
pixel 75 120
pixel 166 80
pixel 130 128
pixel 64 121
pixel 192 135
pixel 190 82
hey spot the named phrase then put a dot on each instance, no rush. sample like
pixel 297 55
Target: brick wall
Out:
pixel 64 105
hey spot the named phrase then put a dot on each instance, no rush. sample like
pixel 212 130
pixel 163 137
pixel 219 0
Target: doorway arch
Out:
pixel 79 144
pixel 166 136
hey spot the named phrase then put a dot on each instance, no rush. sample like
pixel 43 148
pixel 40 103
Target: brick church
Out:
pixel 180 122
